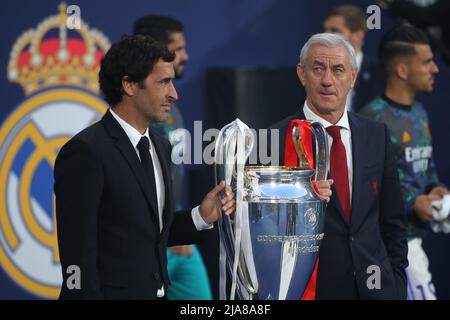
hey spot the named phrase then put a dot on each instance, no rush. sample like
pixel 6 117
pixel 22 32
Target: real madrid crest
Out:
pixel 58 72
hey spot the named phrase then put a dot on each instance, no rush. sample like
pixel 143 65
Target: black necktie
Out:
pixel 147 163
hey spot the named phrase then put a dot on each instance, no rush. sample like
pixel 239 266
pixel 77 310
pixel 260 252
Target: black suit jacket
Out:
pixel 369 84
pixel 107 224
pixel 377 232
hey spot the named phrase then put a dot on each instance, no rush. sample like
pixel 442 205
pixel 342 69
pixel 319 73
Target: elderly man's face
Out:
pixel 327 76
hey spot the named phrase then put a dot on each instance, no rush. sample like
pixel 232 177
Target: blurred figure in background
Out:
pixel 350 22
pixel 432 16
pixel 407 58
pixel 187 273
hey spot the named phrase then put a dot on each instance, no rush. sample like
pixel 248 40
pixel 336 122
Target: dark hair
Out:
pixel 400 41
pixel 158 27
pixel 134 57
pixel 354 17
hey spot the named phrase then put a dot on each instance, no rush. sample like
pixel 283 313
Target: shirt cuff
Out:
pixel 200 224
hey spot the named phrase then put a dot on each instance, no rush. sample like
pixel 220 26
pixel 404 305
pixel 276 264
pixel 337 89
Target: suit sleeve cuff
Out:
pixel 199 223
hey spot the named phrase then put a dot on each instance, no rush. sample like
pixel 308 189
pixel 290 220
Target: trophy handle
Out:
pixel 233 147
pixel 322 153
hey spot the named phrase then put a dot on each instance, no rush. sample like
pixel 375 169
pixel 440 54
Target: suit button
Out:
pixel 352 238
pixel 156 276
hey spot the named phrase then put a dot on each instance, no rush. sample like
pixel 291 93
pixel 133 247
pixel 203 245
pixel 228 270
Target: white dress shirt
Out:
pixel 135 136
pixel 346 137
pixel 351 94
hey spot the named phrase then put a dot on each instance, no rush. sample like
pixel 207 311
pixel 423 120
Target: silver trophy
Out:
pixel 270 246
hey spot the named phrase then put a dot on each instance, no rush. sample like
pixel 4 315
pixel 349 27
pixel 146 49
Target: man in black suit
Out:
pixel 350 22
pixel 114 204
pixel 364 250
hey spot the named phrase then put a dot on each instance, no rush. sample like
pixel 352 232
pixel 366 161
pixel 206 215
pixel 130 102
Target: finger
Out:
pixel 323 198
pixel 228 198
pixel 325 192
pixel 433 197
pixel 228 205
pixel 439 190
pixel 330 181
pixel 228 190
pixel 322 184
pixel 229 194
pixel 216 189
pixel 231 210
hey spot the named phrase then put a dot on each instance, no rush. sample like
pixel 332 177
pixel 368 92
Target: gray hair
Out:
pixel 328 40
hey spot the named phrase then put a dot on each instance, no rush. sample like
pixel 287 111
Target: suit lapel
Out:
pixel 129 153
pixel 358 135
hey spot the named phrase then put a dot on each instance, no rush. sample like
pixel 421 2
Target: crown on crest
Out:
pixel 38 60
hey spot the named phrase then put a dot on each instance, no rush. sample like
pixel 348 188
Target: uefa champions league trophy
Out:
pixel 269 247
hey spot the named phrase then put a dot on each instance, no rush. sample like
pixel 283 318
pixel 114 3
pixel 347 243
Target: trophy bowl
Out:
pixel 286 219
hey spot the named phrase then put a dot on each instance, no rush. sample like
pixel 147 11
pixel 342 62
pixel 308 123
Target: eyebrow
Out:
pixel 316 62
pixel 339 65
pixel 166 79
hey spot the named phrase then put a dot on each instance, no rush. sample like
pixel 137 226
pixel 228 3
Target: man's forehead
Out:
pixel 337 51
pixel 336 54
pixel 176 38
pixel 162 67
pixel 335 22
pixel 423 49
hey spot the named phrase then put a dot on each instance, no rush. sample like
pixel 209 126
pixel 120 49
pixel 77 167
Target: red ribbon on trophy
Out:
pixel 303 153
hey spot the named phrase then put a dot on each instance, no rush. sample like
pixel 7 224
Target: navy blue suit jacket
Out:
pixel 377 232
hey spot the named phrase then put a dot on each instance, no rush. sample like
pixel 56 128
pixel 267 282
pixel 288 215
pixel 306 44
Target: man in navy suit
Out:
pixel 364 250
pixel 350 22
pixel 114 199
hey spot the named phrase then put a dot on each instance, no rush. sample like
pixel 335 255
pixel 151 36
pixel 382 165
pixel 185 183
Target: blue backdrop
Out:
pixel 219 33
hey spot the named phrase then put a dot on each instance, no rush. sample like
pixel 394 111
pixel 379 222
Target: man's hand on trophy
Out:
pixel 209 208
pixel 324 187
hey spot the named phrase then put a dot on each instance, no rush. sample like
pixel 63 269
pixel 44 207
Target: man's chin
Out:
pixel 426 90
pixel 160 118
pixel 327 106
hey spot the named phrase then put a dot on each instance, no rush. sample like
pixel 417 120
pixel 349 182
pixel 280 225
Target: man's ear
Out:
pixel 128 87
pixel 401 70
pixel 301 74
pixel 353 75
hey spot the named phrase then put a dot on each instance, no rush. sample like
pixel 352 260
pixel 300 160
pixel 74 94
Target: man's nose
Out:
pixel 173 95
pixel 434 68
pixel 185 55
pixel 326 80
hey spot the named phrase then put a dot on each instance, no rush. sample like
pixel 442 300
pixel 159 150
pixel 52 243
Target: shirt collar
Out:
pixel 133 134
pixel 310 115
